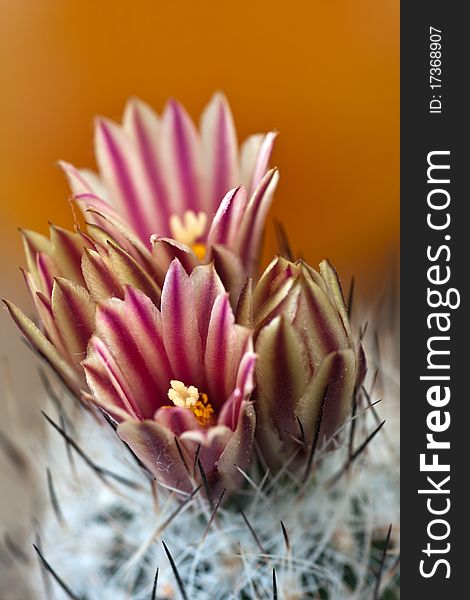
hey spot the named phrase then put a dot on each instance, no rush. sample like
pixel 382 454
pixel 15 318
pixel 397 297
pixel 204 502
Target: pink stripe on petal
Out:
pixel 226 223
pixel 117 171
pixel 104 394
pixel 143 125
pixel 141 311
pixel 221 150
pixel 74 314
pixel 261 165
pixel 245 376
pixel 124 337
pixel 179 148
pixel 116 378
pixel 180 326
pixel 252 228
pixel 47 270
pixel 206 286
pixel 99 277
pixel 217 351
pixel 68 250
pixel 44 308
pixel 78 183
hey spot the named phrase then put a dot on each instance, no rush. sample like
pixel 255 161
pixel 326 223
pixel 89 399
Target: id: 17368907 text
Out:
pixel 435 70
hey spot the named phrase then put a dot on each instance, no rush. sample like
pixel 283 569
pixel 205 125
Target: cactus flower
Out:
pixel 177 380
pixel 307 356
pixel 163 192
pixel 165 179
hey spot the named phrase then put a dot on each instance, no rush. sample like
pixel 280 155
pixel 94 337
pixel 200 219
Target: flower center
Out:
pixel 188 228
pixel 189 397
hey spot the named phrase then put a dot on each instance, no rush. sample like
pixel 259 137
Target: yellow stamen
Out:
pixel 188 228
pixel 199 250
pixel 189 397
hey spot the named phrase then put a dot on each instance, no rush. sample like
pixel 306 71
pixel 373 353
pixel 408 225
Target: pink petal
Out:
pixel 68 250
pixel 120 170
pixel 255 155
pixel 319 323
pixel 44 308
pixel 219 140
pixel 143 127
pixel 226 224
pixel 155 446
pixel 226 344
pixel 104 393
pixel 283 373
pixel 74 314
pixel 131 331
pixel 180 326
pixel 81 181
pixel 254 217
pixel 209 444
pixel 179 148
pixel 33 244
pixel 230 270
pixel 206 286
pixel 46 269
pixel 129 272
pixel 244 386
pixel 107 381
pixel 99 277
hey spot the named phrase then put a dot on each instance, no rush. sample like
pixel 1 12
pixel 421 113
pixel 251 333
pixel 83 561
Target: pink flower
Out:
pixel 165 179
pixel 177 380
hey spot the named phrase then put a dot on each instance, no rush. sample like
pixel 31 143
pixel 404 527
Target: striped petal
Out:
pixel 67 248
pixel 283 373
pixel 144 129
pixel 121 171
pixel 74 314
pixel 228 218
pixel 248 242
pixel 226 345
pixel 99 277
pixel 206 287
pixel 129 272
pixel 254 156
pixel 131 329
pixel 335 377
pixel 219 142
pixel 83 181
pixel 176 419
pixel 155 446
pixel 319 323
pixel 179 147
pixel 230 269
pixel 180 326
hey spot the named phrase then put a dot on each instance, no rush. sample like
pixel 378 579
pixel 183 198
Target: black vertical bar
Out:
pixel 438 570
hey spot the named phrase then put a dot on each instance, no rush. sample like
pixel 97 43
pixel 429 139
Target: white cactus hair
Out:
pixel 109 531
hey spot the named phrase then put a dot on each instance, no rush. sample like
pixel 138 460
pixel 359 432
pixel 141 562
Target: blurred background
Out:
pixel 325 74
